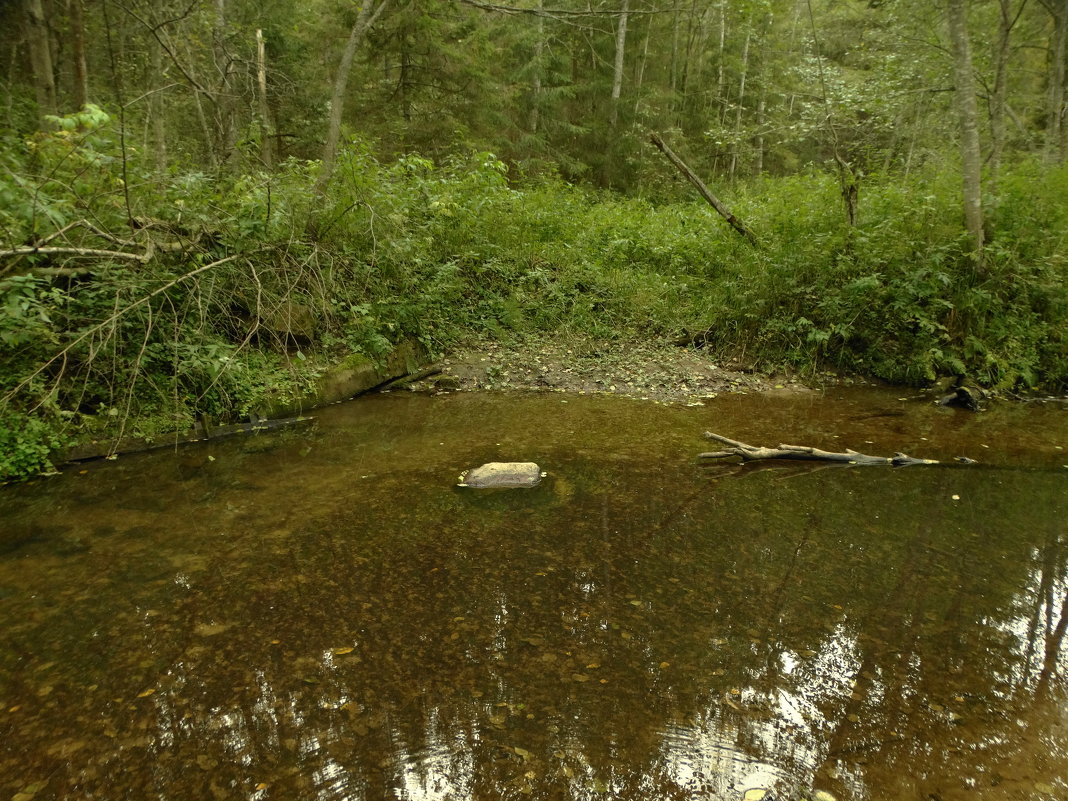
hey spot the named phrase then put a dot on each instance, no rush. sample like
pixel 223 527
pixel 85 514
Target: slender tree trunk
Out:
pixel 369 14
pixel 640 78
pixel 617 74
pixel 712 200
pixel 968 115
pixel 1057 102
pixel 721 80
pixel 760 131
pixel 998 95
pixel 738 106
pixel 156 109
pixel 80 87
pixel 674 74
pixel 405 82
pixel 202 115
pixel 37 36
pixel 266 131
pixel 225 132
pixel 535 87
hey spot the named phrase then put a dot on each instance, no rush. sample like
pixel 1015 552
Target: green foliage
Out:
pixel 245 286
pixel 26 445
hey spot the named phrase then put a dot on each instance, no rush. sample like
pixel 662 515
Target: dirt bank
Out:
pixel 657 371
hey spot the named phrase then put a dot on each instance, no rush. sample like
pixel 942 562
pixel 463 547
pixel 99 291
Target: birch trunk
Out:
pixel 968 116
pixel 617 74
pixel 266 131
pixel 369 14
pixel 738 112
pixel 721 83
pixel 641 72
pixel 539 49
pixel 1056 130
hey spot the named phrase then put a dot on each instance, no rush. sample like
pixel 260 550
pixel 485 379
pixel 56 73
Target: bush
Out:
pixel 244 286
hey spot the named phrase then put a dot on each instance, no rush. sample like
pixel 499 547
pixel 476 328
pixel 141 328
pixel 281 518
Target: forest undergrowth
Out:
pixel 134 302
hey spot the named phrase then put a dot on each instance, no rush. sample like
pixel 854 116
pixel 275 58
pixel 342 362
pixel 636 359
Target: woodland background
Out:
pixel 205 203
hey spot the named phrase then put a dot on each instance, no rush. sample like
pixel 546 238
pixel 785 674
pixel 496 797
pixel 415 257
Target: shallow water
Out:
pixel 323 614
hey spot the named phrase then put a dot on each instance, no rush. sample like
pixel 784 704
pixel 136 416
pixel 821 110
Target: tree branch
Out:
pixel 78 252
pixel 752 453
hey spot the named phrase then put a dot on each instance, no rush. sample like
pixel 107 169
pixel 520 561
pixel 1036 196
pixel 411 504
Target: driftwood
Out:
pixel 712 200
pixel 751 453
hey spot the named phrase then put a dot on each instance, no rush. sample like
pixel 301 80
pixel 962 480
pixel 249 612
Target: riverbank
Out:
pixel 647 369
pixel 230 322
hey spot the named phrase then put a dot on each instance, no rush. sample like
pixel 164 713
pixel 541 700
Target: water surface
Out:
pixel 322 614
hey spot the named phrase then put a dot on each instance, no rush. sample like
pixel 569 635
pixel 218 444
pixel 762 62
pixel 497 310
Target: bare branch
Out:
pixel 76 252
pixel 154 30
pixel 559 12
pixel 752 453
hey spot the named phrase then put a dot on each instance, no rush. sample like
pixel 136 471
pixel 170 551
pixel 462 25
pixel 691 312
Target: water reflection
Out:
pixel 323 615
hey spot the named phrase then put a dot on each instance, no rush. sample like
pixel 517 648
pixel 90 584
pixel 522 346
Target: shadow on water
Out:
pixel 323 614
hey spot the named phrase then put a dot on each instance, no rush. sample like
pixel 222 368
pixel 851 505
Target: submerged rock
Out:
pixel 505 475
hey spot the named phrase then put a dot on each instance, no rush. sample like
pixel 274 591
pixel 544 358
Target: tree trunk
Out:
pixel 968 116
pixel 369 14
pixel 998 96
pixel 674 74
pixel 225 132
pixel 761 105
pixel 157 108
pixel 617 74
pixel 266 131
pixel 721 81
pixel 535 87
pixel 80 87
pixel 198 104
pixel 640 78
pixel 712 200
pixel 37 36
pixel 738 104
pixel 1056 102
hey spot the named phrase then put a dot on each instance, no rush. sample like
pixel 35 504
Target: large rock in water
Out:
pixel 508 475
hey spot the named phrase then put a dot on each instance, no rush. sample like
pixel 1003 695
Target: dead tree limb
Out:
pixel 90 253
pixel 713 201
pixel 753 453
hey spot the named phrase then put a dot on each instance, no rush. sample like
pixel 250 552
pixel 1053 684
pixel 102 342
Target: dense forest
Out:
pixel 205 203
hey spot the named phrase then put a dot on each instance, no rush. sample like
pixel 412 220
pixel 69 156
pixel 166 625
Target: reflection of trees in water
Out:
pixel 629 640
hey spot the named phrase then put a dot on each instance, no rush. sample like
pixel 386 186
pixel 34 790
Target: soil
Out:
pixel 650 370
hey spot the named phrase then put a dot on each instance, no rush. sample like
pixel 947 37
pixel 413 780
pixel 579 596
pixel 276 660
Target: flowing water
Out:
pixel 323 614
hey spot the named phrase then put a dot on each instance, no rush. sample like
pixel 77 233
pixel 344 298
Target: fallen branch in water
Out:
pixel 751 453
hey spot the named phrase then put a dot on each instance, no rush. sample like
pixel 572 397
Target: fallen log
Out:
pixel 699 185
pixel 753 453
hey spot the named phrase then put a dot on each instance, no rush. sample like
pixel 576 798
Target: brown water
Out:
pixel 321 614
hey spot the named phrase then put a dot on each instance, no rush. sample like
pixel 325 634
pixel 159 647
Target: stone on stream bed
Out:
pixel 502 475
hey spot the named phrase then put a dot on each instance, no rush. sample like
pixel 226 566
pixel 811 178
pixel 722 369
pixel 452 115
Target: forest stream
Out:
pixel 321 613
